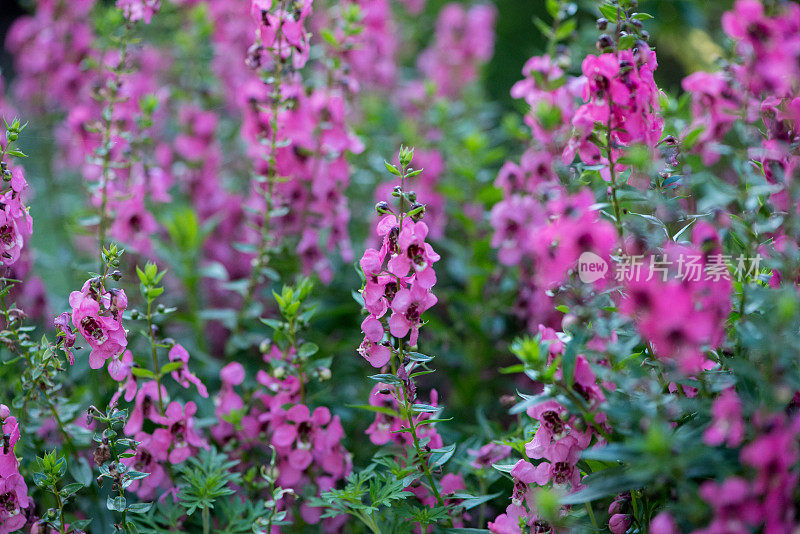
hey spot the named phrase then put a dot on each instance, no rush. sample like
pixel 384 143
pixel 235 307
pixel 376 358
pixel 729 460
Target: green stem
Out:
pixel 108 121
pixel 263 250
pixel 61 426
pixel 156 368
pixel 591 515
pixel 423 460
pixel 206 521
pixel 612 171
pixel 62 528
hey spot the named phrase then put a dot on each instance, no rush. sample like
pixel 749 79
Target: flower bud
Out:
pixel 604 41
pixel 383 207
pixel 417 211
pixel 102 453
pixel 619 523
pixel 602 23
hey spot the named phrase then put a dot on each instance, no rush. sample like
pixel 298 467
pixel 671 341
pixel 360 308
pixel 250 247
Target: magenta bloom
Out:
pixel 150 455
pixel 414 253
pixel 180 424
pixel 13 489
pixel 407 308
pixel 182 375
pixel 120 370
pixel 64 330
pixel 145 407
pixel 97 315
pixel 727 425
pixel 619 523
pixel 15 225
pixel 139 9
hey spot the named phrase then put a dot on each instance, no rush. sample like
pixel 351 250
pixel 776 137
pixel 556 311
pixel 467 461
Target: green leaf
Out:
pixel 171 366
pixel 386 379
pixel 552 7
pixel 642 16
pixel 626 42
pixel 141 372
pixel 417 357
pixel 566 29
pixel 140 507
pixel 440 456
pixel 116 504
pixel 609 12
pixel 272 323
pixel 307 350
pixel 391 168
pixel 71 489
pixel 569 357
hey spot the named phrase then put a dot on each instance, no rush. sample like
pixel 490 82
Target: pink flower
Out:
pixel 182 375
pixel 489 454
pixel 65 331
pixel 464 40
pixel 663 524
pixel 97 315
pixel 133 223
pixel 407 308
pixel 180 424
pixel 727 425
pixel 149 456
pixel 12 485
pixel 139 9
pixel 15 498
pixel 377 354
pixel 120 370
pixel 15 225
pixel 619 523
pixel 414 253
pixel 147 399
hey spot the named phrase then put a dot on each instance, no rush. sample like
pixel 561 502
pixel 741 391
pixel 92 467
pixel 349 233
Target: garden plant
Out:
pixel 302 266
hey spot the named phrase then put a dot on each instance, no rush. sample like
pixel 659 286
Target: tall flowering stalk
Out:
pixel 399 277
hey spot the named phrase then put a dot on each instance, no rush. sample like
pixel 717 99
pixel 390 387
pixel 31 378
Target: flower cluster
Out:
pixel 97 314
pixel 307 443
pixel 139 9
pixel 399 276
pixel 619 93
pixel 16 224
pixel 701 305
pixel 54 81
pixel 545 239
pixel 13 490
pixel 464 40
